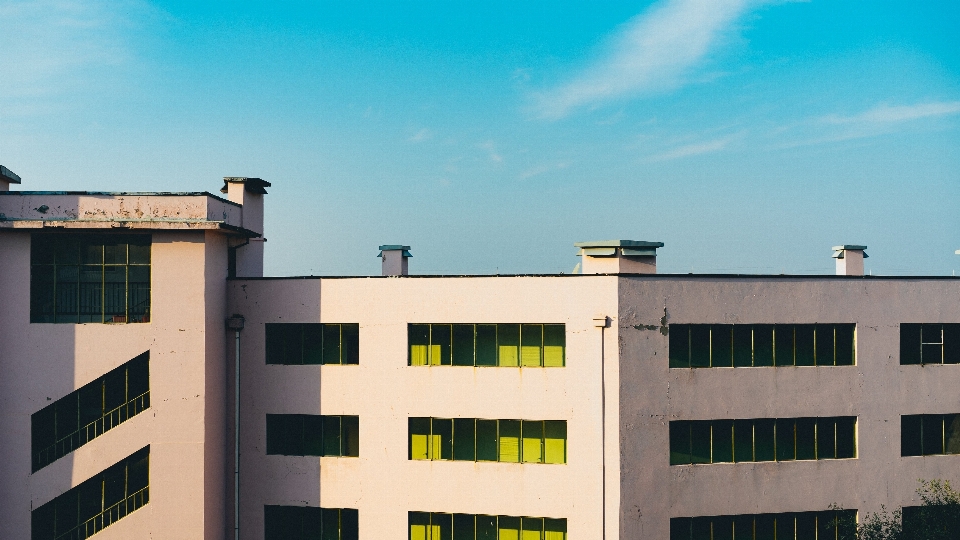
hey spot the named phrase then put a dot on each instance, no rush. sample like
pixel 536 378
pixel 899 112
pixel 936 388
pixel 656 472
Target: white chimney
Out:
pixel 618 257
pixel 394 259
pixel 849 259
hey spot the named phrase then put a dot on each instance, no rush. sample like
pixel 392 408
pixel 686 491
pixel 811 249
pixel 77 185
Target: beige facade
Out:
pixel 616 390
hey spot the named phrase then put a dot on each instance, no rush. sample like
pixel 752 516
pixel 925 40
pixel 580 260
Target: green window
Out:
pixel 312 343
pixel 473 439
pixel 764 439
pixel 929 343
pixel 96 503
pixel 823 525
pixel 313 435
pixel 83 278
pixel 762 345
pixel 505 345
pixel 309 523
pixel 929 434
pixel 443 526
pixel 93 409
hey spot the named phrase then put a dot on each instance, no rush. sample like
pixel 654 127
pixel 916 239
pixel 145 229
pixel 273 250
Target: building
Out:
pixel 615 403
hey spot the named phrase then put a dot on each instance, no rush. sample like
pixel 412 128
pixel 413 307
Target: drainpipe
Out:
pixel 601 322
pixel 235 323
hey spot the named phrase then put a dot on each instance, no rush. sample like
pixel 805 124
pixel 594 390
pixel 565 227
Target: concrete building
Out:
pixel 616 403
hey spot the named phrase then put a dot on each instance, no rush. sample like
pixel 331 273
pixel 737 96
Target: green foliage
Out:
pixel 937 518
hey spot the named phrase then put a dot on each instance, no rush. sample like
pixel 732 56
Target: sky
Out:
pixel 749 136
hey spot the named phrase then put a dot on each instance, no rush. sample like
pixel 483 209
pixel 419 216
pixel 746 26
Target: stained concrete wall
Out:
pixel 382 483
pixel 877 390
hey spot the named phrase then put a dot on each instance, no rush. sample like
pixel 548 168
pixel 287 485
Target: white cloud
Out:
pixel 422 135
pixel 696 149
pixel 652 52
pixel 885 114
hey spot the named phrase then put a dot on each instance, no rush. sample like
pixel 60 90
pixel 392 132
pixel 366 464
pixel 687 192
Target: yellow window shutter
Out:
pixel 418 355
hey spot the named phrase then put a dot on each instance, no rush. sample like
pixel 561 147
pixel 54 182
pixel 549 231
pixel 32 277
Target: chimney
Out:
pixel 248 193
pixel 6 178
pixel 849 259
pixel 618 257
pixel 394 259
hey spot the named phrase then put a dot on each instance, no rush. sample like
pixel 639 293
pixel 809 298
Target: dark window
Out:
pixel 312 343
pixel 764 439
pixel 81 278
pixel 443 526
pixel 472 439
pixel 96 503
pixel 86 413
pixel 309 523
pixel 506 345
pixel 762 345
pixel 929 434
pixel 825 525
pixel 313 435
pixel 929 343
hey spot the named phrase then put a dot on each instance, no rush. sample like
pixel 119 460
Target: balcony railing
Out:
pixel 109 516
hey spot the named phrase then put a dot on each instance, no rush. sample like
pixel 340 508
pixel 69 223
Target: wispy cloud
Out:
pixel 885 114
pixel 491 148
pixel 543 169
pixel 695 149
pixel 420 136
pixel 652 52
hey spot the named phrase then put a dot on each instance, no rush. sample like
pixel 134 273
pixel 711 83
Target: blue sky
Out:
pixel 748 136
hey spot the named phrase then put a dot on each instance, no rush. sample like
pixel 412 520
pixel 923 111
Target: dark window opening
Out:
pixel 762 345
pixel 313 435
pixel 312 343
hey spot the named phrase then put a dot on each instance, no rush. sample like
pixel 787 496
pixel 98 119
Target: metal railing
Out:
pixel 109 516
pixel 111 419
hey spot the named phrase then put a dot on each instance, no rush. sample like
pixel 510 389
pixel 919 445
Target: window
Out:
pixel 762 439
pixel 312 343
pixel 475 439
pixel 929 343
pixel 761 345
pixel 313 435
pixel 97 407
pixel 929 434
pixel 78 278
pixel 309 523
pixel 505 345
pixel 440 526
pixel 828 524
pixel 96 503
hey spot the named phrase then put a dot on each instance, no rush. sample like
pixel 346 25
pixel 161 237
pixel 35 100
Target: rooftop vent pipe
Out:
pixel 394 259
pixel 849 259
pixel 618 257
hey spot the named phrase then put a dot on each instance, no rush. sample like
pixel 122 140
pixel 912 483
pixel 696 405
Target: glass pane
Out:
pixel 419 429
pixel 951 433
pixel 806 438
pixel 722 441
pixel 441 526
pixel 932 425
pixel 701 528
pixel 329 525
pixel 115 294
pixel 331 343
pixel 464 439
pixel 763 439
pixel 312 426
pixel 508 345
pixel 679 346
pixel 273 337
pixel 931 333
pixel 91 294
pixel 441 441
pixel 42 248
pixel 67 415
pixel 827 525
pixel 804 346
pixel 826 438
pixel 911 435
pixel 786 526
pixel 42 294
pixel 331 436
pixel 138 294
pixel 419 523
pixel 762 345
pixel 91 402
pixel 312 343
pixel 824 345
pixel 700 441
pixel 509 438
pixel 721 345
pixel 555 441
pixel 139 250
pixel 743 527
pixel 554 529
pixel 844 344
pixel 463 335
pixel 846 437
pixel 723 528
pixel 418 336
pixel 350 341
pixel 680 443
pixel 931 353
pixel 91 253
pixel 67 294
pixel 67 250
pixel 951 344
pixel 279 439
pixel 486 344
pixel 742 440
pixel 508 528
pixel 486 527
pixel 807 526
pixel 43 428
pixel 349 526
pixel 786 443
pixel 909 343
pixel 765 527
pixel 699 345
pixel 742 345
pixel 350 425
pixel 486 440
pixel 554 343
pixel 441 336
pixel 680 528
pixel 531 528
pixel 114 253
pixel 531 343
pixel 783 344
pixel 532 431
pixel 464 527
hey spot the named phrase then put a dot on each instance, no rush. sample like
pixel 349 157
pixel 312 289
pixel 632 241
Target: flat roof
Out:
pixel 127 194
pixel 637 276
